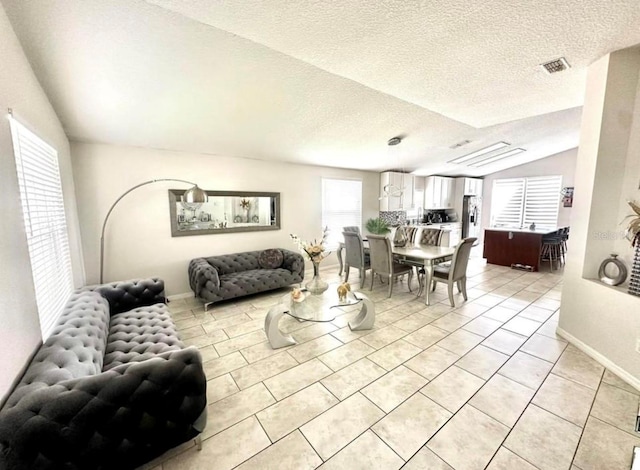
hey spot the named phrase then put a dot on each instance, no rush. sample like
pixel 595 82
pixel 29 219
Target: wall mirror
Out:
pixel 224 212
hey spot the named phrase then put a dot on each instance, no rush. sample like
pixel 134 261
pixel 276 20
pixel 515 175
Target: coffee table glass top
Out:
pixel 319 308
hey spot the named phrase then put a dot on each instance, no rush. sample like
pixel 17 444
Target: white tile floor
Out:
pixel 485 385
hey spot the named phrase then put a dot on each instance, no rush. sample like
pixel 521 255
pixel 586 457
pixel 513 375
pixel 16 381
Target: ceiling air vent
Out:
pixel 557 65
pixel 460 144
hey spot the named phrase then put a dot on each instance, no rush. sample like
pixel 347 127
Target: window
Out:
pixel 341 207
pixel 45 224
pixel 519 202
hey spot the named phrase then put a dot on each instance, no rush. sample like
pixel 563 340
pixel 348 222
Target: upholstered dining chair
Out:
pixel 355 255
pixel 351 228
pixel 432 237
pixel 411 233
pixel 456 271
pixel 382 262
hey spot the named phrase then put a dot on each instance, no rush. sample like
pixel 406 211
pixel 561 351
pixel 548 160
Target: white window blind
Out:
pixel 341 207
pixel 542 200
pixel 507 202
pixel 45 223
pixel 519 202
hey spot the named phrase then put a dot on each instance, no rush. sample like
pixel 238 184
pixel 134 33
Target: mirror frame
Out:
pixel 175 196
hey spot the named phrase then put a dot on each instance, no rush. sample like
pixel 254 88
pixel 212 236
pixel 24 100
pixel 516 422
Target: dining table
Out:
pixel 427 256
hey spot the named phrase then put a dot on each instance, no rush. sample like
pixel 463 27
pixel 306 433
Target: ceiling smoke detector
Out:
pixel 557 65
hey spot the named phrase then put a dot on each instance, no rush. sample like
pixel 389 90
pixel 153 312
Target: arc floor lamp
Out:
pixel 192 195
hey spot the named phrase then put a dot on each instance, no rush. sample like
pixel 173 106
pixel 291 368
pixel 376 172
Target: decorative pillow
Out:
pixel 270 259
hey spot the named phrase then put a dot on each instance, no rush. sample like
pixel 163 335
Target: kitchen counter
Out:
pixel 538 230
pixel 506 246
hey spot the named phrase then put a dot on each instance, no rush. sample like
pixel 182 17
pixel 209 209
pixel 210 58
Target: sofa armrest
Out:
pixel 116 419
pixel 294 262
pixel 203 276
pixel 127 295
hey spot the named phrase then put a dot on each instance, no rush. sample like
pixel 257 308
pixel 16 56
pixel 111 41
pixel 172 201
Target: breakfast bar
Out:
pixel 511 246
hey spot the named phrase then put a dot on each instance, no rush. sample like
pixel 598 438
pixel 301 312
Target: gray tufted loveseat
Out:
pixel 225 277
pixel 112 387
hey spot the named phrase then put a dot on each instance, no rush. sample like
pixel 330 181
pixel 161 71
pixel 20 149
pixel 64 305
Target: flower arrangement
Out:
pixel 633 229
pixel 245 204
pixel 315 250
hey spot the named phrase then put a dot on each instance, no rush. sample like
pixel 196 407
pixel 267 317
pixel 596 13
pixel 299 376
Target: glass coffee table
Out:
pixel 317 308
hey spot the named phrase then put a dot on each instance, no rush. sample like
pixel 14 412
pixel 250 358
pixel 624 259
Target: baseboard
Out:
pixel 589 351
pixel 186 295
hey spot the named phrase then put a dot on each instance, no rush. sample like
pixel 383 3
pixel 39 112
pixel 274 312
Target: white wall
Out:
pixel 19 90
pixel 138 239
pixel 602 320
pixel 563 163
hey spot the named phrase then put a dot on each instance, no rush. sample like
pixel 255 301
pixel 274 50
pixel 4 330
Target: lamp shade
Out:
pixel 195 195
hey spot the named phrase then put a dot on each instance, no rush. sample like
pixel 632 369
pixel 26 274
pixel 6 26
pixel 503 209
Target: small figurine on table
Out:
pixel 343 289
pixel 297 295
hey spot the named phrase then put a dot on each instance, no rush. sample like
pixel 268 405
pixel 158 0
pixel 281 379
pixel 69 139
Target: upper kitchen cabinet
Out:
pixel 472 187
pixel 439 192
pixel 396 191
pixel 418 193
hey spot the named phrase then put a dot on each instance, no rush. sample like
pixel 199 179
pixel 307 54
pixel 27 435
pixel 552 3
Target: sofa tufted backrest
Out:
pixel 75 348
pixel 235 262
pixel 127 295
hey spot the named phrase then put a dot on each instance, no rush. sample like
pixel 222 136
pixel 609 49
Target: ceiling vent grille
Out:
pixel 557 65
pixel 460 144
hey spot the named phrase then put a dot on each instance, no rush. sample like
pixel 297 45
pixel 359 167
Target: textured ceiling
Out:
pixel 322 83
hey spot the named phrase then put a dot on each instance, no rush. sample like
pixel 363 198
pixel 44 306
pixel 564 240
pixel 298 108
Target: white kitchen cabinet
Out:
pixel 439 192
pixel 396 200
pixel 472 187
pixel 418 195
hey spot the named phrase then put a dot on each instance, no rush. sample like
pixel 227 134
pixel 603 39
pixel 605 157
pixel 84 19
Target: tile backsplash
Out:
pixel 394 217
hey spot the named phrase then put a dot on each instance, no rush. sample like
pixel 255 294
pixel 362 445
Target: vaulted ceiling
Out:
pixel 324 83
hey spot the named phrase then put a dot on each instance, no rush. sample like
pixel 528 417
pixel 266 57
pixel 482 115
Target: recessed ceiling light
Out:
pixel 480 152
pixel 557 65
pixel 495 158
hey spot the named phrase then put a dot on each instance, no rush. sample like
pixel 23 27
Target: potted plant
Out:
pixel 633 235
pixel 377 226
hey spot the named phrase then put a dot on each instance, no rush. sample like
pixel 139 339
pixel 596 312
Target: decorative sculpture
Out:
pixel 343 289
pixel 297 295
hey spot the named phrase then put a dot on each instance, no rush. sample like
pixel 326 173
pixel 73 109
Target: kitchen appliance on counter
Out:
pixel 439 216
pixel 471 207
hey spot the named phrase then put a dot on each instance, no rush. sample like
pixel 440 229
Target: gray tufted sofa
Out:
pixel 234 275
pixel 112 387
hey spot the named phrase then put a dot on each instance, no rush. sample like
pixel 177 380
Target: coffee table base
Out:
pixel 366 317
pixel 364 320
pixel 274 335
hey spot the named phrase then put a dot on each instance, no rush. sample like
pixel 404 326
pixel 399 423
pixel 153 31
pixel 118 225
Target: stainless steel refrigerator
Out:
pixel 471 206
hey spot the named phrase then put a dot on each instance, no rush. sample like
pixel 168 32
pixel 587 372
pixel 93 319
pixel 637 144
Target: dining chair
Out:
pixel 411 233
pixel 430 237
pixel 351 228
pixel 383 264
pixel 456 272
pixel 355 255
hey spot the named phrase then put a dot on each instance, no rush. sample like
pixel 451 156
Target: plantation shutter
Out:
pixel 341 207
pixel 542 200
pixel 507 202
pixel 45 223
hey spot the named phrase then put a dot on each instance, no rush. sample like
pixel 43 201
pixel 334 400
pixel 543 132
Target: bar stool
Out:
pixel 552 249
pixel 564 235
